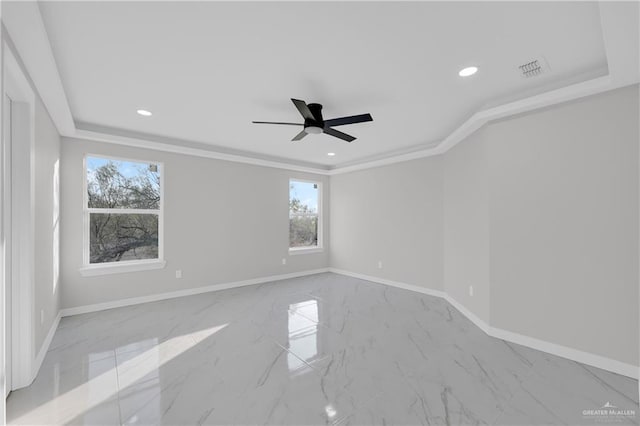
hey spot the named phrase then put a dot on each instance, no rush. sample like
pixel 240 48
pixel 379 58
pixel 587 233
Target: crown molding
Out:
pixel 25 27
pixel 480 118
pixel 475 122
pixel 138 142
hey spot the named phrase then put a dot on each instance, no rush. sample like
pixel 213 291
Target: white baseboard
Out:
pixel 45 346
pixel 531 342
pixel 587 358
pixel 404 286
pixel 186 292
pixel 480 323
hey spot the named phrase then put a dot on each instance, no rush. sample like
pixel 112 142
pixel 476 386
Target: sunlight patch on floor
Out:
pixel 100 389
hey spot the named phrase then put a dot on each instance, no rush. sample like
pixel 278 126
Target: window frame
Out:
pixel 93 269
pixel 319 247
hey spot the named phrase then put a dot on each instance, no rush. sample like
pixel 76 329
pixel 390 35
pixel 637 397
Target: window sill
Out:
pixel 305 250
pixel 116 268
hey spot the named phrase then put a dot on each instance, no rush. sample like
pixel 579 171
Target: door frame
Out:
pixel 5 236
pixel 3 365
pixel 19 218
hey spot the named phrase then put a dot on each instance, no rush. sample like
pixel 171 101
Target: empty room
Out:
pixel 320 213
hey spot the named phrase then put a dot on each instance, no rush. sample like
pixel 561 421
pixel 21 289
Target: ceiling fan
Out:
pixel 315 124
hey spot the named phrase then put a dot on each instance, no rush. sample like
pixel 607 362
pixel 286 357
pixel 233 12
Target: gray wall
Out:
pixel 47 289
pixel 466 224
pixel 540 215
pixel 224 222
pixel 564 224
pixel 538 212
pixel 391 214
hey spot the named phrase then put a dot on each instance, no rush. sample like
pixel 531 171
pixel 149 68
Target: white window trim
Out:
pixel 294 251
pixel 95 269
pixel 319 248
pixel 121 267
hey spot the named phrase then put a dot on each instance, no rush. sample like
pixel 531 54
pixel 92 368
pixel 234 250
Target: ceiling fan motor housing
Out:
pixel 316 111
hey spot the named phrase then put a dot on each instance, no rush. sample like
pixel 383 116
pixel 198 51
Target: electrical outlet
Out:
pixel 41 316
pixel 470 290
pixel 284 260
pixel 178 273
pixel 379 264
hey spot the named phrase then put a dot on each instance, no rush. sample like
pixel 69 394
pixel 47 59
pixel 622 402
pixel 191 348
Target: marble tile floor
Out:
pixel 322 349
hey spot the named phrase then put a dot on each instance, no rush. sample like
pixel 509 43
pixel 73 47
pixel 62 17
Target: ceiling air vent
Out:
pixel 532 68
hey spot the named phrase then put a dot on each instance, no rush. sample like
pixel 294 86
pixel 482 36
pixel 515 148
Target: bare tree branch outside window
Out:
pixel 303 214
pixel 113 187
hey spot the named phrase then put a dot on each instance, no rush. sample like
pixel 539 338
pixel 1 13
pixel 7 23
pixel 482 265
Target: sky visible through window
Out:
pixel 128 169
pixel 305 192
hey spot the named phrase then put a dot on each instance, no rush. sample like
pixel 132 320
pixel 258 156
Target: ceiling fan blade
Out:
pixel 338 134
pixel 299 136
pixel 277 122
pixel 348 120
pixel 304 109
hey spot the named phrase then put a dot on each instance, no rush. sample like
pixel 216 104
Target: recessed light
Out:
pixel 144 112
pixel 331 154
pixel 466 72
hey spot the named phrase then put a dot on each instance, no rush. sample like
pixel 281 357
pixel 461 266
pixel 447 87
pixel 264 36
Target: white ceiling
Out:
pixel 206 69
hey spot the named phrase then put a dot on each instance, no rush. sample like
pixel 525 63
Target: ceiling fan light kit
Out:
pixel 313 130
pixel 315 124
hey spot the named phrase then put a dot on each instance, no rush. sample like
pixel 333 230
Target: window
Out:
pixel 305 222
pixel 123 212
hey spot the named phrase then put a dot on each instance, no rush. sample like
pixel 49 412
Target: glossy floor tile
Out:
pixel 323 349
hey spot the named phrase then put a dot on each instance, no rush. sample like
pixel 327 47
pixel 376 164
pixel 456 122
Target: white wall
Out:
pixel 564 224
pixel 224 222
pixel 47 290
pixel 391 214
pixel 466 224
